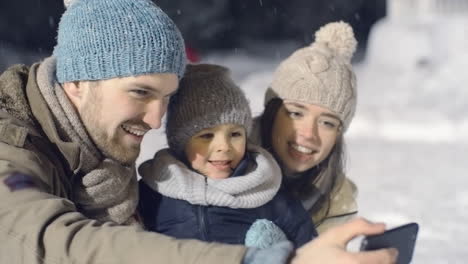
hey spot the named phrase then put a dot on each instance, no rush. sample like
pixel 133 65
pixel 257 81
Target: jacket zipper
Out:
pixel 201 218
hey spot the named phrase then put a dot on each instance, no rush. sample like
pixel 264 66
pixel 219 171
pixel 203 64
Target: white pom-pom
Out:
pixel 68 3
pixel 339 37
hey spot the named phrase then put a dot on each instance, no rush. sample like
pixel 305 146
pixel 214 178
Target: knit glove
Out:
pixel 279 253
pixel 264 234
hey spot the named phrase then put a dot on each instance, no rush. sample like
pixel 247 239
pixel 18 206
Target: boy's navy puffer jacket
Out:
pixel 180 219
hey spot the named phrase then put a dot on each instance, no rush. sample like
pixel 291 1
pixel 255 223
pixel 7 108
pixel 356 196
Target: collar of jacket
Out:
pixel 244 165
pixel 172 178
pixel 70 150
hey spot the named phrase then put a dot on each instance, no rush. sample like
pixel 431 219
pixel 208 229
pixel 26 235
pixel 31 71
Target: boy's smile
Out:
pixel 221 164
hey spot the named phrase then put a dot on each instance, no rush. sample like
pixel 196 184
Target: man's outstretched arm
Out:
pixel 37 226
pixel 330 247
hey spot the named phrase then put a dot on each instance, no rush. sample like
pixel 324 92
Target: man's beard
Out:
pixel 109 146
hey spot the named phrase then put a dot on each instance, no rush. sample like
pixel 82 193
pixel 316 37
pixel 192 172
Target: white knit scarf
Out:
pixel 172 178
pixel 108 191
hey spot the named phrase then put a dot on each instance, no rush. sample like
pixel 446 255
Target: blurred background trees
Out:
pixel 31 25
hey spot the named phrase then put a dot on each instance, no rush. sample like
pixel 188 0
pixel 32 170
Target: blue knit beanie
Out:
pixel 104 39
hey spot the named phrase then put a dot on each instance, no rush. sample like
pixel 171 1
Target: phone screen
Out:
pixel 403 238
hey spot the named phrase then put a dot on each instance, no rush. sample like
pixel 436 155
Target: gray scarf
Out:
pixel 108 191
pixel 172 178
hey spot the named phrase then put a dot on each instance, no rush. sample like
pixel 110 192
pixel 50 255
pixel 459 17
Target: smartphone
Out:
pixel 403 238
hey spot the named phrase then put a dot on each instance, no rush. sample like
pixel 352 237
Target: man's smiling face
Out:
pixel 118 112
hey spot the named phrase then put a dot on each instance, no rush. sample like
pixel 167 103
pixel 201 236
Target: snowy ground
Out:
pixel 408 166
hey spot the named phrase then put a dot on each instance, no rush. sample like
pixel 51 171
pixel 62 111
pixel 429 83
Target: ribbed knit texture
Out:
pixel 207 97
pixel 172 178
pixel 321 74
pixel 104 39
pixel 279 253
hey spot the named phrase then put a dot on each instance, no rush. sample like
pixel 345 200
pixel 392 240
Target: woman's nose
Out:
pixel 308 130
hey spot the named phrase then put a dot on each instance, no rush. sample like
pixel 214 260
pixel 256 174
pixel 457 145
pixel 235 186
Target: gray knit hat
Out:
pixel 104 39
pixel 207 97
pixel 321 74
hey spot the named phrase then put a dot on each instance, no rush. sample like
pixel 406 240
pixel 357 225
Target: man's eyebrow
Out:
pixel 152 89
pixel 146 87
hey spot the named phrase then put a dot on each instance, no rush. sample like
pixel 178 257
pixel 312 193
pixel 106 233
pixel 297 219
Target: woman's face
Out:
pixel 303 135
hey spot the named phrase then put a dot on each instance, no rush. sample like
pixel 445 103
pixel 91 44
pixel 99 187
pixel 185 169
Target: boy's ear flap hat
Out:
pixel 321 74
pixel 207 97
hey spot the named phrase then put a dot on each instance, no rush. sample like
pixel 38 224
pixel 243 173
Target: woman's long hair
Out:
pixel 317 181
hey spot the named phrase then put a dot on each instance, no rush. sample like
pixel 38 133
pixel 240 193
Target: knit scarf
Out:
pixel 172 178
pixel 107 191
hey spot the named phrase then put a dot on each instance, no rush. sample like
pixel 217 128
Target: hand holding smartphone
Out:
pixel 403 238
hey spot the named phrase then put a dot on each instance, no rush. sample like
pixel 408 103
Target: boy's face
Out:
pixel 215 152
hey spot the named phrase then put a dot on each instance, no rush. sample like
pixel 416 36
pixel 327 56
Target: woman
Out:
pixel 308 107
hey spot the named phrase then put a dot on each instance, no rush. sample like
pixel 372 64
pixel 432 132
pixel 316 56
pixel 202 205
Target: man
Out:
pixel 70 131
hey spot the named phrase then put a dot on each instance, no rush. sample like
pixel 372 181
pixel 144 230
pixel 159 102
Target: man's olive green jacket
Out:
pixel 39 222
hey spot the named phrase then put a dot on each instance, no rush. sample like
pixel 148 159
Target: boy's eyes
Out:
pixel 206 135
pixel 211 135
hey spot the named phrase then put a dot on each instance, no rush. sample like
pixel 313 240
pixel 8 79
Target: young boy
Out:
pixel 211 184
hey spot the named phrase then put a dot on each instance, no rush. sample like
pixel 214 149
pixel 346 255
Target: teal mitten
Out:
pixel 263 234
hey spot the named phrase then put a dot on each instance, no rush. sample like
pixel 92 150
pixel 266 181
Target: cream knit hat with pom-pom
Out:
pixel 321 74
